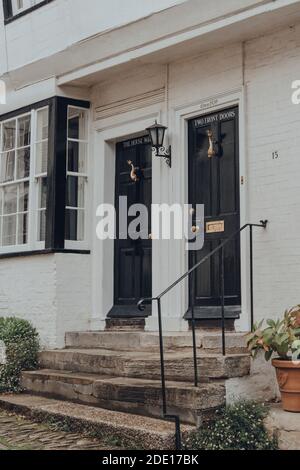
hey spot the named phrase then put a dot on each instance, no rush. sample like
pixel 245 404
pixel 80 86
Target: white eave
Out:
pixel 240 27
pixel 244 25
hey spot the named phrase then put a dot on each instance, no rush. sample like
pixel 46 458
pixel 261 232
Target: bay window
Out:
pixel 16 155
pixel 44 177
pixel 77 150
pixel 41 163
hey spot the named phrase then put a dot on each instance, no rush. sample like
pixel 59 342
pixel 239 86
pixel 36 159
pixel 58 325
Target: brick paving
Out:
pixel 19 433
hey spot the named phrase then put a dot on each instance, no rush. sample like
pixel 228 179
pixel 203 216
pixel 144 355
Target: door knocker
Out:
pixel 134 173
pixel 212 150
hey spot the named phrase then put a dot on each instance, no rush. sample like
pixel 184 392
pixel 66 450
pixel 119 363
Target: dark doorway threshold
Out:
pixel 129 311
pixel 211 317
pixel 232 312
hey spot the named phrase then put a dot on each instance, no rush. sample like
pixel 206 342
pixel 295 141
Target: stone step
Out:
pixel 178 364
pixel 235 343
pixel 132 431
pixel 139 396
pixel 127 341
pixel 146 341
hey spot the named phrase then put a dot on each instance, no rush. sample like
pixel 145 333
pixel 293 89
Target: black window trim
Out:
pixel 56 178
pixel 8 14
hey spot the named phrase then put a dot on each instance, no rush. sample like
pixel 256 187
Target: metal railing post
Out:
pixel 251 278
pixel 162 360
pixel 192 297
pixel 176 419
pixel 223 300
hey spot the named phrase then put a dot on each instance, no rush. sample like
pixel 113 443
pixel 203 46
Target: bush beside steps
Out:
pixel 19 346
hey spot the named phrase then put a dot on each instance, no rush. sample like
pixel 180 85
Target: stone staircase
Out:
pixel 120 371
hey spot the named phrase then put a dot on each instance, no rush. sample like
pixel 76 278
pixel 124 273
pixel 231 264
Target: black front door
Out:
pixel 214 182
pixel 133 257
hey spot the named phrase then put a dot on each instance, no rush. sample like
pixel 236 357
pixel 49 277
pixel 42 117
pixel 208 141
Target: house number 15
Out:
pixel 275 155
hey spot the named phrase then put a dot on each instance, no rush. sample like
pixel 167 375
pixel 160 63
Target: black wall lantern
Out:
pixel 157 136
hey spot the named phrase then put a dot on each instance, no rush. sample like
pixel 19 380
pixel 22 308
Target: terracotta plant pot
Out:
pixel 288 377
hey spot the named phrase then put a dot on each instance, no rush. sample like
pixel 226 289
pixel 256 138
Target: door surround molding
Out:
pixel 130 285
pixel 182 114
pixel 105 136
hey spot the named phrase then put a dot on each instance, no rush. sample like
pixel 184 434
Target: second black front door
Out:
pixel 133 258
pixel 214 182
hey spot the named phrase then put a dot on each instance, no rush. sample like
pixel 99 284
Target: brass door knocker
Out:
pixel 133 173
pixel 211 150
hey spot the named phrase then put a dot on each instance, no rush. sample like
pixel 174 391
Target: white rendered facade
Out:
pixel 171 61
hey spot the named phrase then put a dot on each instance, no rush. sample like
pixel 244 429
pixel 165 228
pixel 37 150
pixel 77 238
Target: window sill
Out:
pixel 41 252
pixel 10 19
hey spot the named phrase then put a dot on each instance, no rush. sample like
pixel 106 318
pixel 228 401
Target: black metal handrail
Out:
pixel 142 305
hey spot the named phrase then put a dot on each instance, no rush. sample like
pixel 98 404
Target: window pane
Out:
pixel 10 199
pixel 41 225
pixel 9 135
pixel 41 157
pixel 22 229
pixel 42 124
pixel 9 226
pixel 23 197
pixel 77 157
pixel 7 167
pixel 23 163
pixel 74 225
pixel 42 193
pixel 75 191
pixel 24 131
pixel 77 124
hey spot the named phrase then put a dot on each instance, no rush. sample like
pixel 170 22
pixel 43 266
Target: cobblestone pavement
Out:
pixel 19 433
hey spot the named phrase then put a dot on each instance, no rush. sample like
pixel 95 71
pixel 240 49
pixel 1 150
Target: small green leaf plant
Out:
pixel 280 337
pixel 239 426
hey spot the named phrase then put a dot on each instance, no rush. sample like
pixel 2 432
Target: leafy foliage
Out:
pixel 22 346
pixel 238 427
pixel 281 336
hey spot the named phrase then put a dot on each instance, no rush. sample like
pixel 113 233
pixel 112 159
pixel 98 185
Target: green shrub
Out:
pixel 22 346
pixel 238 427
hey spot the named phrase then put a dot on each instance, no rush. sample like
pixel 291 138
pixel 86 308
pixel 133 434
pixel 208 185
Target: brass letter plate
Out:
pixel 215 227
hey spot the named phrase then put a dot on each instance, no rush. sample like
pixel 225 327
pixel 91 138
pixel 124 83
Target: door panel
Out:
pixel 133 258
pixel 214 182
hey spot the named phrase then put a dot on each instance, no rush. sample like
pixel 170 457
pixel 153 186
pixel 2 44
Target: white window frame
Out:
pixel 17 9
pixel 80 244
pixel 32 240
pixel 27 4
pixel 40 245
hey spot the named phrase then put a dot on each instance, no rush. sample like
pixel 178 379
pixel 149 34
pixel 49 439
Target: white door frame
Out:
pixel 180 118
pixel 106 134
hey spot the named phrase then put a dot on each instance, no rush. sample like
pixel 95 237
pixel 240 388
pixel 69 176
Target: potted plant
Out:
pixel 281 337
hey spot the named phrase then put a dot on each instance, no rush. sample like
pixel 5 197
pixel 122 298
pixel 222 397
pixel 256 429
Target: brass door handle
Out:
pixel 211 150
pixel 133 174
pixel 195 229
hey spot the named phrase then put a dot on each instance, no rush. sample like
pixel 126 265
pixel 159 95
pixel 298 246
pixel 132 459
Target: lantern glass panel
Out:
pixel 161 135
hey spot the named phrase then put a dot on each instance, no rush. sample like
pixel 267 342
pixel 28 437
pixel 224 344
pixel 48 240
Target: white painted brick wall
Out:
pixel 51 291
pixel 73 294
pixel 206 75
pixel 27 290
pixel 272 64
